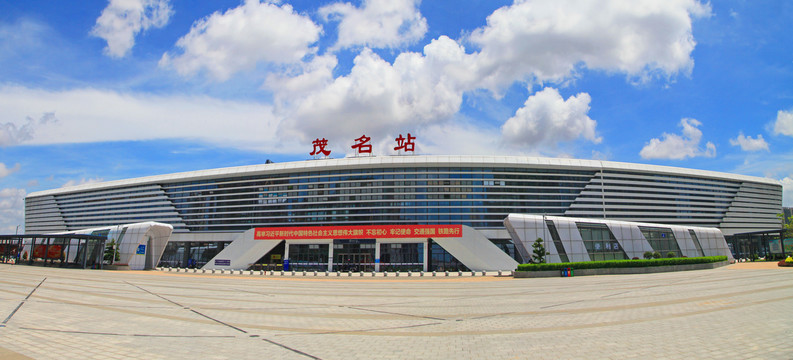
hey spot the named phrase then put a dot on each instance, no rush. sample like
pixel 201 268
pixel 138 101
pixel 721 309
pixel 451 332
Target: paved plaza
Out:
pixel 738 311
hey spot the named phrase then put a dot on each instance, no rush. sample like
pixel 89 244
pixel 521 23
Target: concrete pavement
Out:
pixel 730 312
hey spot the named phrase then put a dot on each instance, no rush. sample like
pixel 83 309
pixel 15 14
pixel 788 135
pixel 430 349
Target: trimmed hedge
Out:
pixel 621 263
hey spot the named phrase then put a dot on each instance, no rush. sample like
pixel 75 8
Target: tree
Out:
pixel 787 225
pixel 111 252
pixel 538 252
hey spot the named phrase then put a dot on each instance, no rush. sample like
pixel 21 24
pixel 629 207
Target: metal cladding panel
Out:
pixel 627 234
pixel 685 242
pixel 572 240
pixel 476 251
pixel 243 252
pixel 139 235
pixel 622 233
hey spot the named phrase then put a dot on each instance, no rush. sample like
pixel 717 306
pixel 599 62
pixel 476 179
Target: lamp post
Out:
pixel 17 231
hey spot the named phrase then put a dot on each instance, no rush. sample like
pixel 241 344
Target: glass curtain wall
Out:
pixel 600 243
pixel 661 240
pixel 308 257
pixel 402 257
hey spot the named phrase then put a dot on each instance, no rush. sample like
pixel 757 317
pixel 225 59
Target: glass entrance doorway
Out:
pixel 353 254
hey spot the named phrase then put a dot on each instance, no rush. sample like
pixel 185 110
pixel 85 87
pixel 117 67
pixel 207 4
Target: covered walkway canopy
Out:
pixel 65 250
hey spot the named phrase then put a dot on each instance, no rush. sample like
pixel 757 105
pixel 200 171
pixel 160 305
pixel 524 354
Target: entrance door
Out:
pixel 353 254
pixel 355 262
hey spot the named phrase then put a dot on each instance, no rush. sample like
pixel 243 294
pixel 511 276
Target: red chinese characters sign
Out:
pixel 359 232
pixel 362 145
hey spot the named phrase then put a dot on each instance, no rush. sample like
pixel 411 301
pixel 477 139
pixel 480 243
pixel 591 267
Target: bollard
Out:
pixel 327 273
pixel 374 273
pixel 447 273
pixel 385 273
pixel 315 273
pixel 499 273
pixel 410 273
pixel 434 273
pixel 397 273
pixel 484 273
pixel 422 273
pixel 459 273
pixel 338 273
pixel 473 273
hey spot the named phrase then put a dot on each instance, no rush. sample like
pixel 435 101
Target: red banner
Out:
pixel 359 232
pixel 54 251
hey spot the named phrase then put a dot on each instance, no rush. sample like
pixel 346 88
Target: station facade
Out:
pixel 210 209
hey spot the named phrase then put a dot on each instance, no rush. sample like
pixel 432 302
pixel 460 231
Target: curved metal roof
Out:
pixel 406 160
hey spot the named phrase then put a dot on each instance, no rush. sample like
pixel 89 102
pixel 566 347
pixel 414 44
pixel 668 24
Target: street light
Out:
pixel 17 231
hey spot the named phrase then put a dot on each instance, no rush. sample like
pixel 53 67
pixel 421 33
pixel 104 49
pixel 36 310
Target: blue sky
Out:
pixel 103 90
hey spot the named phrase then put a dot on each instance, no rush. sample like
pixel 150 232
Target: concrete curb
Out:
pixel 621 271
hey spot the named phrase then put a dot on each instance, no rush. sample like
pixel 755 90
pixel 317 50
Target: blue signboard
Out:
pixel 141 250
pixel 222 262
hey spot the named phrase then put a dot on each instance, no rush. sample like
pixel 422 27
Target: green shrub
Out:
pixel 656 255
pixel 648 255
pixel 621 263
pixel 671 254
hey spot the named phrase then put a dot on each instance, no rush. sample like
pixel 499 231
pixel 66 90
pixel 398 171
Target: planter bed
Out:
pixel 622 270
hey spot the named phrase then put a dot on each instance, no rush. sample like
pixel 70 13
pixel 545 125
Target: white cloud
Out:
pixel 546 40
pixel 12 205
pixel 541 40
pixel 82 181
pixel 11 135
pixel 312 75
pixel 238 39
pixel 748 144
pixel 377 24
pixel 679 147
pixel 784 123
pixel 377 98
pixel 546 118
pixel 91 115
pixel 5 171
pixel 122 20
pixel 787 191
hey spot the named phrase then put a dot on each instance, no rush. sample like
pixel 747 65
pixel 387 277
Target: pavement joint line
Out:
pixel 395 313
pixel 22 302
pixel 291 349
pixel 555 305
pixel 121 334
pixel 188 308
pixel 372 330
